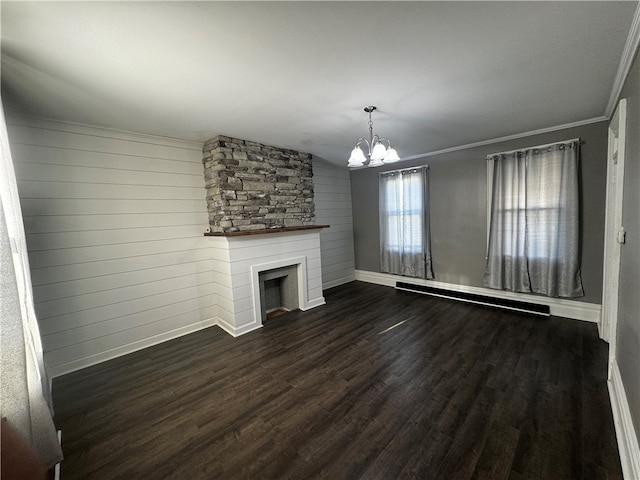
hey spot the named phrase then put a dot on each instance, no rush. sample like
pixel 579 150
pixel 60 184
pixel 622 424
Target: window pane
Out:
pixel 404 212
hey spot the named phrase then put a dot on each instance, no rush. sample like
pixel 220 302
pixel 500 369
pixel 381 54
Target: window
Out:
pixel 404 223
pixel 533 231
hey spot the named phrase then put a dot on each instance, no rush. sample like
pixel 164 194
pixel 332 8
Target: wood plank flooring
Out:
pixel 377 384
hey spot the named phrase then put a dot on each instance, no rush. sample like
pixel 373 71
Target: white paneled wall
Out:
pixel 114 225
pixel 332 197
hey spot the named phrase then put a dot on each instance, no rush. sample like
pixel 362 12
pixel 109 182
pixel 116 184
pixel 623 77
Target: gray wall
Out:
pixel 628 334
pixel 458 182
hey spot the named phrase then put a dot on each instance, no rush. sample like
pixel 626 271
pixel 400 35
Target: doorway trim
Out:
pixel 614 232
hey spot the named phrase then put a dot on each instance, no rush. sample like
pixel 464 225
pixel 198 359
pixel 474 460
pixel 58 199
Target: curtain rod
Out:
pixel 532 148
pixel 403 169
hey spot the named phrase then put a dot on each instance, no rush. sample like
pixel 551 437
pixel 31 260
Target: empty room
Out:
pixel 320 239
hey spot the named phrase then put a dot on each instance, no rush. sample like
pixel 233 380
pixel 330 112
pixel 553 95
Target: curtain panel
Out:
pixel 404 223
pixel 25 396
pixel 534 243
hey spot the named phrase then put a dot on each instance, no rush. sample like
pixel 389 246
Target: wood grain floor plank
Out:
pixel 376 384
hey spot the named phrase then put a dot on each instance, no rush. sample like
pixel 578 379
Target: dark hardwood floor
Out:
pixel 377 384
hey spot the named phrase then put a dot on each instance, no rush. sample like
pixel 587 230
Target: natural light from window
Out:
pixel 404 213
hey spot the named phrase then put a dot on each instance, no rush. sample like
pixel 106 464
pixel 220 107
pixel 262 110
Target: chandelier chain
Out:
pixel 370 129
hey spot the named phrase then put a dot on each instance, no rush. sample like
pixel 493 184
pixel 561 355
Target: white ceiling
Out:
pixel 297 74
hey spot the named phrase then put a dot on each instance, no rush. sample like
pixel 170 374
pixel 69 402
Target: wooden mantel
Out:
pixel 265 231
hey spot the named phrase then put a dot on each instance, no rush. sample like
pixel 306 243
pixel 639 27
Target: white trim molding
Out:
pixel 559 307
pixel 628 54
pixel 236 331
pixel 56 468
pixel 516 136
pixel 625 433
pixel 316 302
pixel 301 268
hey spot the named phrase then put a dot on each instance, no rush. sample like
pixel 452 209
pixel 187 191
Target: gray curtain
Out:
pixel 404 223
pixel 534 243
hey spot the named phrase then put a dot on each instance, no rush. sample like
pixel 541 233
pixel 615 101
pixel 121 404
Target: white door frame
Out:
pixel 614 232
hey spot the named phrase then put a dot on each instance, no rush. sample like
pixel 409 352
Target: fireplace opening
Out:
pixel 278 291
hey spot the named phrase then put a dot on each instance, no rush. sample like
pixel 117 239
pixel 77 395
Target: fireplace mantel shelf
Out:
pixel 265 231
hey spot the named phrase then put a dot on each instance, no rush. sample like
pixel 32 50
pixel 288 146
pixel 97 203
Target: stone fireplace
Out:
pixel 251 186
pixel 261 217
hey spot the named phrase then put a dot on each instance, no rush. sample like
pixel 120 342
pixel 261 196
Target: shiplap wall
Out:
pixel 114 226
pixel 332 197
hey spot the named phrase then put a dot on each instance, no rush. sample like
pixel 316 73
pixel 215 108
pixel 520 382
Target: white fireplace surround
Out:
pixel 301 266
pixel 238 262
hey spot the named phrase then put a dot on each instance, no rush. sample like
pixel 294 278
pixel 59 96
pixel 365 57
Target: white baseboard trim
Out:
pixel 316 302
pixel 250 327
pixel 588 312
pixel 237 331
pixel 625 432
pixel 64 368
pixel 338 282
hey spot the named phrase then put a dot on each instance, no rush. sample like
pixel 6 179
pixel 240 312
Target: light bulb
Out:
pixel 357 158
pixel 379 151
pixel 391 156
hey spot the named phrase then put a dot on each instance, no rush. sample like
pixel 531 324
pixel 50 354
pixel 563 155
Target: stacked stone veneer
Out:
pixel 251 186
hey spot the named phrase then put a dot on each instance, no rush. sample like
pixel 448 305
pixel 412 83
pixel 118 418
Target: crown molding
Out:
pixel 507 138
pixel 628 54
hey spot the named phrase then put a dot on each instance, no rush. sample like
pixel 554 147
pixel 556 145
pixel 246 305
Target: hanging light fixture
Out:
pixel 377 154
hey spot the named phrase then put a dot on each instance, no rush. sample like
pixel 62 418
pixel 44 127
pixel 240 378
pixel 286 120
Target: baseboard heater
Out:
pixel 534 308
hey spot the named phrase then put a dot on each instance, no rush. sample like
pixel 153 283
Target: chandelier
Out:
pixel 378 154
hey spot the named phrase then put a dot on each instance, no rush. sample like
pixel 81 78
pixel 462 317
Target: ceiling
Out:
pixel 298 74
